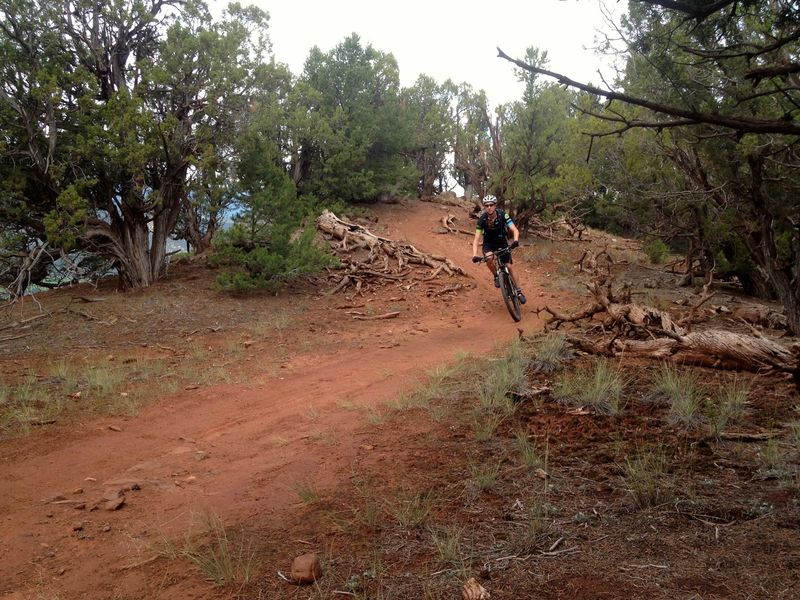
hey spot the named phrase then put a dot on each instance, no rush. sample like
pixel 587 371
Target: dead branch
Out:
pixel 389 315
pixel 668 340
pixel 25 322
pixel 369 259
pixel 451 288
pixel 743 436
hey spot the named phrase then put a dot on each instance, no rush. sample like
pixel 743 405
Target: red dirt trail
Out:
pixel 238 451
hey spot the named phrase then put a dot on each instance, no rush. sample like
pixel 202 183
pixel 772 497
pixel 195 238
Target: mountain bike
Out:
pixel 508 287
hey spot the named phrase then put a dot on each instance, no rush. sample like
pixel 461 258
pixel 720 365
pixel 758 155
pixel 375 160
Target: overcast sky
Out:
pixel 445 38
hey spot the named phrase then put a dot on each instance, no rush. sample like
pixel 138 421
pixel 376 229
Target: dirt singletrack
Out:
pixel 237 450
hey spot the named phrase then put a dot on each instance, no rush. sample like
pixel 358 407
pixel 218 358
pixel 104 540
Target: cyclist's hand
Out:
pixel 514 244
pixel 476 259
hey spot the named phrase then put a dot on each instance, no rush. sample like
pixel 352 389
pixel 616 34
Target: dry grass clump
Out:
pixel 550 351
pixel 223 556
pixel 647 478
pixel 683 393
pixel 599 387
pixel 727 406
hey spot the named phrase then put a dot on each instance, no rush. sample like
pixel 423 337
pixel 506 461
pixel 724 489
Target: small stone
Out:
pixel 306 568
pixel 114 504
pixel 106 527
pixel 115 428
pixel 201 455
pixel 113 494
pixel 77 491
pixel 77 526
pixel 248 343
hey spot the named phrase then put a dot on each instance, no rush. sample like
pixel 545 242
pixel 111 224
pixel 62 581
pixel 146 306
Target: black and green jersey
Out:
pixel 494 232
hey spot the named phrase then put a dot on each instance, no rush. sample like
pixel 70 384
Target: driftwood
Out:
pixel 371 259
pixel 448 225
pixel 644 331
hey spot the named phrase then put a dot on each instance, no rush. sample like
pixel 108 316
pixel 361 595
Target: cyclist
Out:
pixel 491 231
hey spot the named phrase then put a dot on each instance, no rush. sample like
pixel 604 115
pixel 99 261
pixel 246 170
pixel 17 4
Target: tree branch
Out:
pixel 738 124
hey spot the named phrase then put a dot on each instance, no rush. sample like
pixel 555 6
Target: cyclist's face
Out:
pixel 490 208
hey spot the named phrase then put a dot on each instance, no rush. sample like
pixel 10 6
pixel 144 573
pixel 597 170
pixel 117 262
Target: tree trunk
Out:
pixel 136 242
pixel 200 242
pixel 428 179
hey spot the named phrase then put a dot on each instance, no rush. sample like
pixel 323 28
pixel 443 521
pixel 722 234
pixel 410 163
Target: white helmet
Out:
pixel 489 199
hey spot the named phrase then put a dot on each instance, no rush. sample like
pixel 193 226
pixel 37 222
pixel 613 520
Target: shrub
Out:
pixel 656 251
pixel 506 379
pixel 263 248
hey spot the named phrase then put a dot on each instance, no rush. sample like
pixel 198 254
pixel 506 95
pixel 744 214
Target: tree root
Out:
pixel 368 259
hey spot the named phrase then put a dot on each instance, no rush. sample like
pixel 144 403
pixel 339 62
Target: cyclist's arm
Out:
pixel 476 241
pixel 514 231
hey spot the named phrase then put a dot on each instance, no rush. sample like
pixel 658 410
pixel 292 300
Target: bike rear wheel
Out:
pixel 508 288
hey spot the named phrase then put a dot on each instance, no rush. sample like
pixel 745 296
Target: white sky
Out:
pixel 445 38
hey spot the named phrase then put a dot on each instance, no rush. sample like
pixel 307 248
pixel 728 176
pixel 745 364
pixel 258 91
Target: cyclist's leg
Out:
pixel 491 263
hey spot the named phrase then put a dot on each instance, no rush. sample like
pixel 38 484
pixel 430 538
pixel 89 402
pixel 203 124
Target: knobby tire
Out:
pixel 508 289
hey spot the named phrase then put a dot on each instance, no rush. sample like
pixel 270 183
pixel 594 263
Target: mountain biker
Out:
pixel 491 230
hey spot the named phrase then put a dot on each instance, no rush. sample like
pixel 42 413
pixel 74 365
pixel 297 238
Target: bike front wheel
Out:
pixel 508 288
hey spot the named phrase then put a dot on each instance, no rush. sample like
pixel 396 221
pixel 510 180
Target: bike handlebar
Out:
pixel 485 257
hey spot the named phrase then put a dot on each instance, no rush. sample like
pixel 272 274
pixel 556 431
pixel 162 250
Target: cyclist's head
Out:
pixel 489 200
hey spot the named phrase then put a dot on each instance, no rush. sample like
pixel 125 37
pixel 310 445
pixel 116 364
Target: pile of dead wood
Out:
pixel 370 260
pixel 621 327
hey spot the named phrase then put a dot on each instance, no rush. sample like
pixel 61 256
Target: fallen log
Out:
pixel 669 340
pixel 715 348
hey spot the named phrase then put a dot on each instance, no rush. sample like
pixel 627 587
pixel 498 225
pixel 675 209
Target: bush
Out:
pixel 266 265
pixel 656 251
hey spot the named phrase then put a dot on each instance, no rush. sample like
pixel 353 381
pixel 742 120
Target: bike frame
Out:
pixel 508 287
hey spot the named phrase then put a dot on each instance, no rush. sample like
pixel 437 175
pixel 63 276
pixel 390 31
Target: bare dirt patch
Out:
pixel 262 428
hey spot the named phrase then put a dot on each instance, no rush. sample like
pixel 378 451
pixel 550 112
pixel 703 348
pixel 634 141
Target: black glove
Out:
pixel 514 244
pixel 476 259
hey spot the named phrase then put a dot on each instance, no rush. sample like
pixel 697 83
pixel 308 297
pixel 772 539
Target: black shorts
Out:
pixel 505 258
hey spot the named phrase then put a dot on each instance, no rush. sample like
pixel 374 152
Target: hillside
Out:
pixel 160 424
